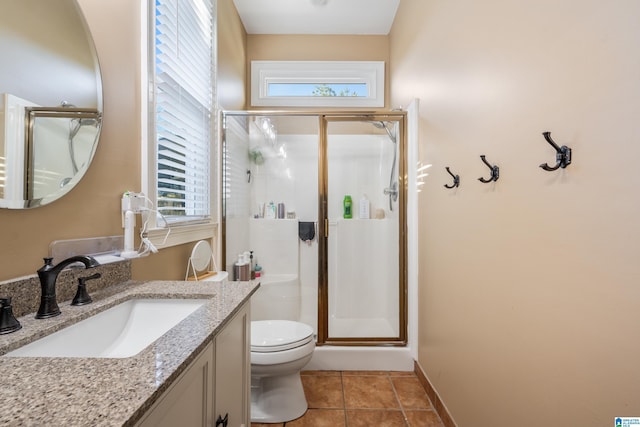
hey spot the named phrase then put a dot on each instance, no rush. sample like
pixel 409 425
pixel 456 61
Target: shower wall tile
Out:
pixel 275 244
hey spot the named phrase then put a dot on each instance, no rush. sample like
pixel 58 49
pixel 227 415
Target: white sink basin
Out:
pixel 121 331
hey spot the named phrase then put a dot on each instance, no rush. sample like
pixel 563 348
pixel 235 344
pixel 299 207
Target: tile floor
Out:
pixel 363 399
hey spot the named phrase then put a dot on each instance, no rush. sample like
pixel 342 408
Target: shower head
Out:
pixel 77 123
pixel 82 121
pixel 392 190
pixel 89 121
pixel 387 127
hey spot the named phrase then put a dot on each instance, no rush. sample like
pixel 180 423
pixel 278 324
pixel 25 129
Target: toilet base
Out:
pixel 277 399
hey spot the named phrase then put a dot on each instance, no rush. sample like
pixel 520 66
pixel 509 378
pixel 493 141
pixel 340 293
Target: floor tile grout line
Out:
pixel 395 392
pixel 344 401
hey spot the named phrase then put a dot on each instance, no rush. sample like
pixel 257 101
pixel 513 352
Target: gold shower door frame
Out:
pixel 325 118
pixel 324 337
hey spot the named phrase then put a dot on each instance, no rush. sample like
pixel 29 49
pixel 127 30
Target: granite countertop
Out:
pixel 39 391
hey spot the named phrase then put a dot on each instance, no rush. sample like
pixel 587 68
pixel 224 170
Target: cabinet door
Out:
pixel 188 402
pixel 233 370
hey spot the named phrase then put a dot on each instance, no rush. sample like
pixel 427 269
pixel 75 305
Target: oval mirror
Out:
pixel 50 101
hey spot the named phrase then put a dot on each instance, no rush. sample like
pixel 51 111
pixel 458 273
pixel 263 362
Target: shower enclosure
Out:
pixel 304 168
pixel 61 142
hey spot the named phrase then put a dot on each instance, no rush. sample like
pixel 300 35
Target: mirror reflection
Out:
pixel 50 101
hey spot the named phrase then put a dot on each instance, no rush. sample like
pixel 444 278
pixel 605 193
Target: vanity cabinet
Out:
pixel 214 390
pixel 233 371
pixel 188 401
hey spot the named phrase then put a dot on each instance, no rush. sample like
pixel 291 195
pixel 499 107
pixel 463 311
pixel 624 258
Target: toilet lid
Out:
pixel 278 335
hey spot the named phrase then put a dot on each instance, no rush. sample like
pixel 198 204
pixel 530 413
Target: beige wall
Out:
pixel 92 209
pixel 232 57
pixel 317 48
pixel 529 288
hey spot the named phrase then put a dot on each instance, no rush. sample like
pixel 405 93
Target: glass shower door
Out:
pixel 364 218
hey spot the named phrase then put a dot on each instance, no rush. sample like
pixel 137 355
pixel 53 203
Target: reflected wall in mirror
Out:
pixel 50 101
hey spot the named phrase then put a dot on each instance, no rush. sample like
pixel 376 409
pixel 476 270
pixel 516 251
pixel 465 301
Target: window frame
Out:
pixel 176 233
pixel 264 73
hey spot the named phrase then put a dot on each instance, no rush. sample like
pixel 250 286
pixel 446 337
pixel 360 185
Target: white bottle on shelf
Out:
pixel 364 208
pixel 271 211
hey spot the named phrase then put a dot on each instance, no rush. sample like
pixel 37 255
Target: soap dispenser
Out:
pixel 8 322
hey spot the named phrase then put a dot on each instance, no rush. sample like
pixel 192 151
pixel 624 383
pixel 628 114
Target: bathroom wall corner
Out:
pixel 434 397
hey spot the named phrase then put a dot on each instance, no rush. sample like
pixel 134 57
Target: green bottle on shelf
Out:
pixel 348 206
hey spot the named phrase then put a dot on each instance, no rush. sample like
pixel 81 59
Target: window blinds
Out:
pixel 183 83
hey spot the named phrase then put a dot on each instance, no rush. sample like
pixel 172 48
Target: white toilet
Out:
pixel 279 350
pixel 280 346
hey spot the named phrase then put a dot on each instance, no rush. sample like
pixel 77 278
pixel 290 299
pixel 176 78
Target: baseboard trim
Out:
pixel 366 358
pixel 438 405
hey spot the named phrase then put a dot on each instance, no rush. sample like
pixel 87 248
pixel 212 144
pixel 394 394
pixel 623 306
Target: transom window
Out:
pixel 317 89
pixel 317 83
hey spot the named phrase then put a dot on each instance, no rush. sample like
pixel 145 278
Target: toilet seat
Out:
pixel 268 336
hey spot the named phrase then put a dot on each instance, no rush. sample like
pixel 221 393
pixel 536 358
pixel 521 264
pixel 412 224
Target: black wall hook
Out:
pixel 495 171
pixel 456 179
pixel 563 154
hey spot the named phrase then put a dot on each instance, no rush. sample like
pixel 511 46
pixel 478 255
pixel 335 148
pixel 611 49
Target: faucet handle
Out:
pixel 82 296
pixel 8 322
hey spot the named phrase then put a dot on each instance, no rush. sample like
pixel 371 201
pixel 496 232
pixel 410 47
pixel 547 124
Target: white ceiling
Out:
pixel 317 16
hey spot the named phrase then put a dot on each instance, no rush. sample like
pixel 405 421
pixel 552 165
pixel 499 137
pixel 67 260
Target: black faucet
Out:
pixel 48 275
pixel 8 323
